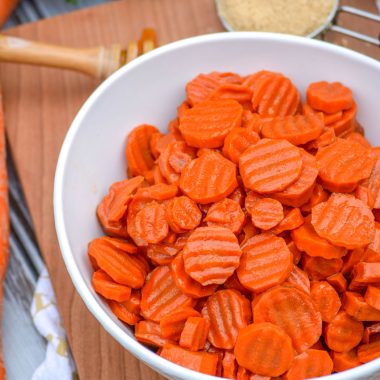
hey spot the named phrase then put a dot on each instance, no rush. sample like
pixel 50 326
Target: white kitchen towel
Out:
pixel 58 363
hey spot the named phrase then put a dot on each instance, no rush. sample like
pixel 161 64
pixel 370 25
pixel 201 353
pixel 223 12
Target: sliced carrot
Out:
pixel 226 213
pixel 161 254
pixel 238 92
pixel 160 295
pixel 200 361
pixel 307 240
pixel 207 124
pixel 123 312
pixel 310 364
pixel 363 193
pixel 137 152
pixel 318 195
pixel 297 254
pixel 345 360
pixel 292 220
pixel 233 282
pixel 292 310
pixel 228 311
pixel 355 136
pixel 341 214
pixel 351 259
pixel 187 284
pixel 298 129
pixel 347 123
pixel 183 214
pixel 267 213
pixel 182 108
pixel 270 165
pixel 372 252
pixel 372 297
pixel 123 268
pixel 326 299
pixel 369 352
pixel 229 365
pixel 338 281
pixel 237 141
pixel 121 244
pixel 251 121
pixel 211 255
pixel 275 95
pixel 366 273
pixel 330 118
pixel 371 333
pixel 355 305
pixel 150 333
pixel 329 97
pixel 265 349
pixel 299 279
pixel 194 333
pixel 158 143
pixel 159 192
pixel 250 201
pixel 374 184
pixel 326 138
pixel 108 288
pixel 266 261
pixel 319 268
pixel 343 164
pixel 301 191
pixel 209 178
pixel 252 79
pixel 238 195
pixel 172 324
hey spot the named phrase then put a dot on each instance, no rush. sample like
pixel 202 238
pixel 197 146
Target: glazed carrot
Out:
pixel 307 240
pixel 237 141
pixel 207 124
pixel 310 364
pixel 270 165
pixel 211 255
pixel 187 284
pixel 372 297
pixel 160 295
pixel 338 281
pixel 292 220
pixel 343 164
pixel 194 333
pixel 301 191
pixel 292 310
pixel 326 299
pixel 318 195
pixel 161 254
pixel 183 214
pixel 266 261
pixel 335 219
pixel 329 97
pixel 298 129
pixel 347 123
pixel 345 360
pixel 351 259
pixel 355 306
pixel 364 194
pixel 265 349
pixel 299 279
pixel 297 254
pixel 172 324
pixel 366 273
pixel 150 333
pixel 228 311
pixel 108 288
pixel 275 95
pixel 138 152
pixel 238 92
pixel 319 268
pixel 124 312
pixel 368 352
pixel 209 178
pixel 229 365
pixel 374 184
pixel 371 333
pixel 267 213
pixel 198 361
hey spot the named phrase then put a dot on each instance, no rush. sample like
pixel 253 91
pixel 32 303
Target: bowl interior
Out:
pixel 148 91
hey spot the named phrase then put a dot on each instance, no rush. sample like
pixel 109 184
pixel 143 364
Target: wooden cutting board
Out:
pixel 40 103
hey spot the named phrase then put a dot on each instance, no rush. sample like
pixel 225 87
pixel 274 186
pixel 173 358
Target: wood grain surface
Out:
pixel 40 103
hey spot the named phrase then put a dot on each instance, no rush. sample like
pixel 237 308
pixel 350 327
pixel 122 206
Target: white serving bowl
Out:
pixel 148 90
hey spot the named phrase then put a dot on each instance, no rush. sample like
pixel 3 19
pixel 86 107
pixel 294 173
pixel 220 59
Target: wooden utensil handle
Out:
pixel 98 62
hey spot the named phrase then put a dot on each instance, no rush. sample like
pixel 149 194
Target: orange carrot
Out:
pixel 355 306
pixel 108 288
pixel 364 194
pixel 372 297
pixel 125 311
pixel 299 279
pixel 366 273
pixel 238 92
pixel 292 220
pixel 297 254
pixel 194 333
pixel 150 333
pixel 374 184
pixel 319 268
pixel 345 360
pixel 318 195
pixel 6 8
pixel 161 254
pixel 371 333
pixel 368 352
pixel 229 365
pixel 267 213
pixel 338 281
pixel 347 123
pixel 351 259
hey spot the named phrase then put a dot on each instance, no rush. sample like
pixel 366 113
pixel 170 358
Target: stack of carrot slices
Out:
pixel 246 242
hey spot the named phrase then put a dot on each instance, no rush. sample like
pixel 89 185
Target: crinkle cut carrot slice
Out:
pixel 251 80
pixel 250 201
pixel 234 283
pixel 341 214
pixel 299 279
pixel 318 195
pixel 329 97
pixel 347 123
pixel 123 311
pixel 267 213
pixel 228 311
pixel 292 220
pixel 343 333
pixel 226 213
pixel 345 360
pixel 161 254
pixel 108 288
pixel 187 284
pixel 237 141
pixel 160 295
pixel 149 332
pixel 355 136
pixel 264 348
pixel 229 365
pixel 275 95
pixel 363 193
pixel 157 175
pixel 343 165
pixel 374 184
pixel 122 267
pixel 297 254
pixel 372 297
pixel 297 129
pixel 355 306
pixel 159 192
pixel 238 195
pixel 270 165
pixel 326 299
pixel 300 192
pixel 266 262
pixel 319 268
pixel 137 152
pixel 209 178
pixel 121 244
pixel 207 124
pixel 238 92
pixel 369 352
pixel 326 138
pixel 194 333
pixel 182 108
pixel 183 214
pixel 310 364
pixel 292 310
pixel 200 361
pixel 251 121
pixel 211 255
pixel 173 159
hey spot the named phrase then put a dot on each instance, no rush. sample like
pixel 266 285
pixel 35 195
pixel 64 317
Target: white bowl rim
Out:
pixel 136 348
